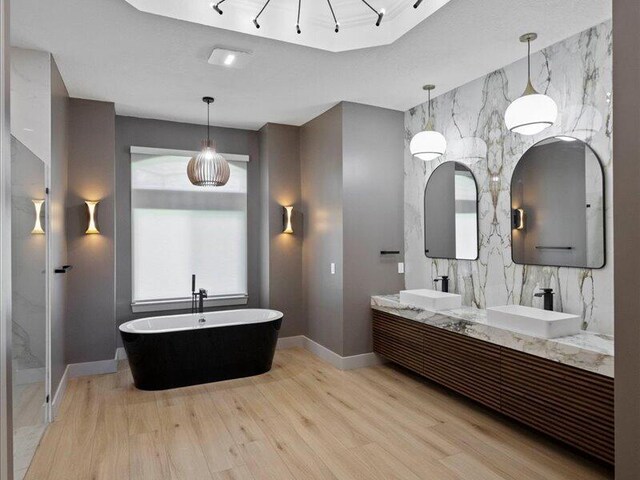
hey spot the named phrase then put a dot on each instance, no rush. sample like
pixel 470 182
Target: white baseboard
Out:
pixel 121 354
pixel 92 368
pixel 360 361
pixel 75 370
pixel 338 361
pixel 291 342
pixel 59 395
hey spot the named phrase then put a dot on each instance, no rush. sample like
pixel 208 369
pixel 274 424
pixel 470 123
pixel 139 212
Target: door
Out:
pixel 29 325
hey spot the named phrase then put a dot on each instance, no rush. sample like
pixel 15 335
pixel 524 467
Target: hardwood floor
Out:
pixel 303 420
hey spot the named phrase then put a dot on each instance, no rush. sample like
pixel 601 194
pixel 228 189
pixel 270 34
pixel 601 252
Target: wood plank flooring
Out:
pixel 303 420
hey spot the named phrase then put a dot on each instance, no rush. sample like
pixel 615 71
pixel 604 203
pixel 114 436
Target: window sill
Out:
pixel 185 303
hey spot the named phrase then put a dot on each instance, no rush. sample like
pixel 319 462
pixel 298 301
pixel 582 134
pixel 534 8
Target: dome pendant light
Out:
pixel 532 112
pixel 428 144
pixel 208 168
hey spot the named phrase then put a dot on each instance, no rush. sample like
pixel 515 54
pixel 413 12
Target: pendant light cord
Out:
pixel 208 124
pixel 429 105
pixel 529 60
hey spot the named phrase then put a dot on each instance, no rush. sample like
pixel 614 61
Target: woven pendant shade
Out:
pixel 208 168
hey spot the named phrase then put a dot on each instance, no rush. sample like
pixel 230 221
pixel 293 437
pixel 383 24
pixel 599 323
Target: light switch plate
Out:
pixel 400 267
pixel 333 269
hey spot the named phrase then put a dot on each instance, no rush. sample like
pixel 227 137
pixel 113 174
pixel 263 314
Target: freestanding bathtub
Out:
pixel 181 350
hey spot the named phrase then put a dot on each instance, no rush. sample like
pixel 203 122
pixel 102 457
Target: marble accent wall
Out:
pixel 577 74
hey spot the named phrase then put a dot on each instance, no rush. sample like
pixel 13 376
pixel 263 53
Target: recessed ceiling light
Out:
pixel 225 57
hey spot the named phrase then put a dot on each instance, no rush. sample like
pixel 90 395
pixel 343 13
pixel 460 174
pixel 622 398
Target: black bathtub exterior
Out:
pixel 160 361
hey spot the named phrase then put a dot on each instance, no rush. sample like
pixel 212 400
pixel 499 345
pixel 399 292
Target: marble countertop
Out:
pixel 586 350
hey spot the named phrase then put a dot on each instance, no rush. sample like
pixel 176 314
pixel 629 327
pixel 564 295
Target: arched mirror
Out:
pixel 557 201
pixel 451 213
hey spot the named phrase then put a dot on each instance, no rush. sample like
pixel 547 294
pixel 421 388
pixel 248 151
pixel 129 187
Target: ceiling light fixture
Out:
pixel 208 168
pixel 333 14
pixel 229 58
pixel 216 6
pixel 532 112
pixel 379 13
pixel 428 144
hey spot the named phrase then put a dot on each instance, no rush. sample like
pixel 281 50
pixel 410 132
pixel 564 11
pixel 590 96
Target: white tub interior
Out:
pixel 175 323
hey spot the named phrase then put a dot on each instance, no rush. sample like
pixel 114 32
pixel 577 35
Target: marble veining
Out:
pixel 576 73
pixel 586 350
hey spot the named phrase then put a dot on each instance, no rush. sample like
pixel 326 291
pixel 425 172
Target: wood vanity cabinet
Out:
pixel 567 403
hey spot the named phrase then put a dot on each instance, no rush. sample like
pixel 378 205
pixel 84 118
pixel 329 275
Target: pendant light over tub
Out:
pixel 428 144
pixel 533 111
pixel 208 168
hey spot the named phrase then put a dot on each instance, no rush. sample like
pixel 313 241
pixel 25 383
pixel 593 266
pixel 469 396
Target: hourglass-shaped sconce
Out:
pixel 288 226
pixel 518 219
pixel 37 227
pixel 91 206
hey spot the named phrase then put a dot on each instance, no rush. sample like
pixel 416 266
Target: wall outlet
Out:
pixel 400 267
pixel 333 269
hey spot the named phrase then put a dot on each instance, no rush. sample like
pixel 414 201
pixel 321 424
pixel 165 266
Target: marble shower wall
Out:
pixel 29 257
pixel 577 74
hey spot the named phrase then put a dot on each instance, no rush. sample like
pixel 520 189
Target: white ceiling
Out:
pixel 156 67
pixel 278 20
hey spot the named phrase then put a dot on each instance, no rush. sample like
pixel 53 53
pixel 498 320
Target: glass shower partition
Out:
pixel 29 303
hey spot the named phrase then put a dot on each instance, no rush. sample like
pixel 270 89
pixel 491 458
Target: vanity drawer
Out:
pixel 468 366
pixel 568 403
pixel 399 340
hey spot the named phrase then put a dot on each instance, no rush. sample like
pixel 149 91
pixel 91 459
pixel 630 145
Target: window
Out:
pixel 179 229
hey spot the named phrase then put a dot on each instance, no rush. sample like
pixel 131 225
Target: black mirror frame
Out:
pixel 604 208
pixel 424 216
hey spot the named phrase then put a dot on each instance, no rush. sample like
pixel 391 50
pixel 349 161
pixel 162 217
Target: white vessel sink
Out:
pixel 430 299
pixel 534 321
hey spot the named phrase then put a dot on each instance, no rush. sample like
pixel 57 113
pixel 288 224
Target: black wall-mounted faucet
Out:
pixel 445 282
pixel 547 294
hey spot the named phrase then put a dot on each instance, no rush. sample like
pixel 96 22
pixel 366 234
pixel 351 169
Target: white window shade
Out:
pixel 179 229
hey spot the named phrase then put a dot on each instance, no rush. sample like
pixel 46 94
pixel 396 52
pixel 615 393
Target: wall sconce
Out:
pixel 37 227
pixel 91 228
pixel 518 219
pixel 286 220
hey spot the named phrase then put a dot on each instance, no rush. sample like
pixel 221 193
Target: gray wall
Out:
pixel 373 141
pixel 321 174
pixel 181 136
pixel 90 335
pixel 281 253
pixel 626 179
pixel 352 191
pixel 57 221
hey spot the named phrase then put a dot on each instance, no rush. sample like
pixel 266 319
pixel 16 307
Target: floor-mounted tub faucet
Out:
pixel 197 298
pixel 547 294
pixel 202 294
pixel 445 282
